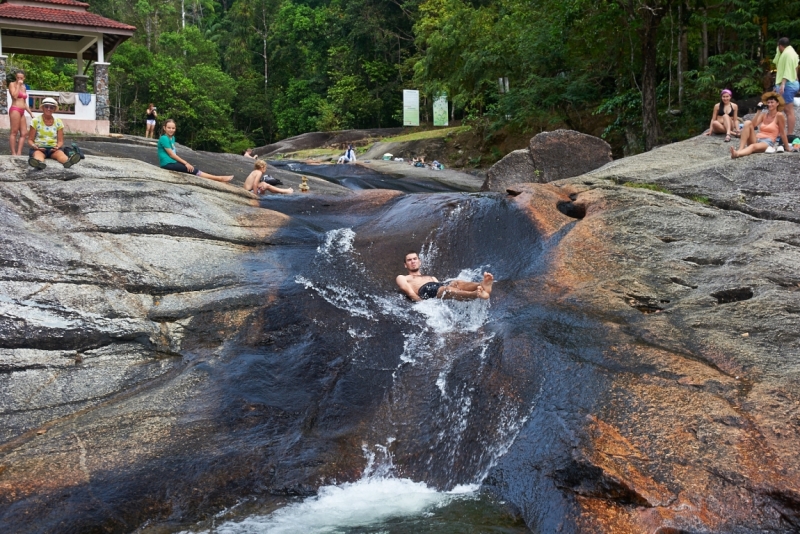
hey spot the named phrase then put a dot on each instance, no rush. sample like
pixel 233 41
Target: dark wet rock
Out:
pixel 169 347
pixel 551 156
pixel 515 168
pixel 637 437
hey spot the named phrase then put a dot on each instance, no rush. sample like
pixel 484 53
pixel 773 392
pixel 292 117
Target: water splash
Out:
pixel 376 498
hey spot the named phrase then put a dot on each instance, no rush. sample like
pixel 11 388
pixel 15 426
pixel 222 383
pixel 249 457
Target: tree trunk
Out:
pixel 704 51
pixel 683 54
pixel 648 36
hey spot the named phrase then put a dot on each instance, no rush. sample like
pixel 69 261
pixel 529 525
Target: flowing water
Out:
pixel 417 400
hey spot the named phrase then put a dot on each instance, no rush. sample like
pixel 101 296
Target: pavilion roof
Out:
pixel 10 11
pixel 73 3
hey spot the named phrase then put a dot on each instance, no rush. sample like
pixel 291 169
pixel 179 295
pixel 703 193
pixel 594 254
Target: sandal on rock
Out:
pixel 73 159
pixel 728 138
pixel 36 164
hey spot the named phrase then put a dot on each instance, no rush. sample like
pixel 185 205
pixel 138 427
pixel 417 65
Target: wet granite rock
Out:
pixel 551 156
pixel 685 422
pixel 170 347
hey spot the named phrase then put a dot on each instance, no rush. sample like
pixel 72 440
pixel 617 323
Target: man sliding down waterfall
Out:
pixel 420 287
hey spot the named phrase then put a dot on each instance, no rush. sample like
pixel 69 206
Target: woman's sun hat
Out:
pixel 776 96
pixel 50 101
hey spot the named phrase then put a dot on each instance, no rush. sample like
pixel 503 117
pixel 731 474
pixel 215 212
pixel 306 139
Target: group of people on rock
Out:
pixel 256 182
pixel 772 127
pixel 46 135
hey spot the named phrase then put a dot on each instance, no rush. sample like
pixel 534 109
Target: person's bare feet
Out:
pixel 485 287
pixel 227 178
pixel 734 155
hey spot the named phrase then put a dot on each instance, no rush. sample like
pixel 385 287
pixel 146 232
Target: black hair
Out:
pixel 783 41
pixel 410 252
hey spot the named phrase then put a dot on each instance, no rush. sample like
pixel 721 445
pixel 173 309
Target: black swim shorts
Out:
pixel 180 167
pixel 429 290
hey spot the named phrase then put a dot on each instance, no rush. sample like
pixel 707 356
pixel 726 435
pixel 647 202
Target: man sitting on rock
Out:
pixel 420 287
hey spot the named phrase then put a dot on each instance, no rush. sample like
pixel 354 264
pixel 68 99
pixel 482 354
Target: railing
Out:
pixel 38 96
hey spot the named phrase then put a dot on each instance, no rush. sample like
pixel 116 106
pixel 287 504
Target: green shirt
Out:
pixel 165 142
pixel 46 136
pixel 787 65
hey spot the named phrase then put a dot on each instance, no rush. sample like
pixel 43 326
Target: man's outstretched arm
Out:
pixel 406 288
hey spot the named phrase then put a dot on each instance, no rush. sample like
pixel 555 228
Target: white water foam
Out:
pixel 336 509
pixel 374 499
pixel 439 316
pixel 336 242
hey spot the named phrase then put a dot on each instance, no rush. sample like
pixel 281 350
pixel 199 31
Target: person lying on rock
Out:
pixel 47 137
pixel 421 287
pixel 169 160
pixel 258 182
pixel 724 118
pixel 771 124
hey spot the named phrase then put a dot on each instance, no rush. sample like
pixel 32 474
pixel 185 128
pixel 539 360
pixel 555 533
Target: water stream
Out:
pixel 428 391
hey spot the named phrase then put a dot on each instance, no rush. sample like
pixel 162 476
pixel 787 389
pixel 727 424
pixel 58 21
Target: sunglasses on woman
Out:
pixel 48 106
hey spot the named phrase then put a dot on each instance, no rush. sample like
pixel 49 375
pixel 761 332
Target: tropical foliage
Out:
pixel 248 72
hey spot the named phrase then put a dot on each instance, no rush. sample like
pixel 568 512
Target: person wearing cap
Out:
pixel 770 123
pixel 47 137
pixel 786 83
pixel 725 117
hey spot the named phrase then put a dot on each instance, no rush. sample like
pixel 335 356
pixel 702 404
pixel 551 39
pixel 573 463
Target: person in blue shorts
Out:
pixel 47 139
pixel 422 287
pixel 169 160
pixel 786 83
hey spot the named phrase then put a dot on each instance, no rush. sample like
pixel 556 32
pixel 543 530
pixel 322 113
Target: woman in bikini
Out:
pixel 771 123
pixel 16 113
pixel 725 118
pixel 257 182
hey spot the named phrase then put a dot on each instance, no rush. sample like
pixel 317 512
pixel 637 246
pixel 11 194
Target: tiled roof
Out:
pixel 60 16
pixel 73 3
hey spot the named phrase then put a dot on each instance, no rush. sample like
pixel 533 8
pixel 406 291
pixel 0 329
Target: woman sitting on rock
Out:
pixel 47 138
pixel 725 118
pixel 258 182
pixel 771 124
pixel 170 161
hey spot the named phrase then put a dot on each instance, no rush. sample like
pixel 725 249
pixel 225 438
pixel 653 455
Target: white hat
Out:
pixel 50 101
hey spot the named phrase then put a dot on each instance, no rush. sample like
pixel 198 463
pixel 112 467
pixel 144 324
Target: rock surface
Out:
pixel 171 347
pixel 567 153
pixel 319 139
pixel 516 167
pixel 551 156
pixel 762 185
